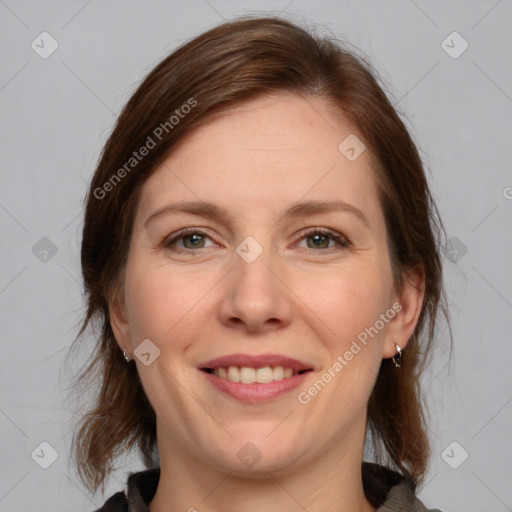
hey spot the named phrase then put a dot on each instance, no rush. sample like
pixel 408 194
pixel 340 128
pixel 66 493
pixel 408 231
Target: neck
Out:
pixel 331 481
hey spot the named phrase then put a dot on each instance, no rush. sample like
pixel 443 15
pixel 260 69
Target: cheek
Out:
pixel 347 300
pixel 169 303
pixel 158 300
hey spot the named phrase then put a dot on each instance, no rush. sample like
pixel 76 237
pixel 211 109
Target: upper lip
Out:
pixel 255 361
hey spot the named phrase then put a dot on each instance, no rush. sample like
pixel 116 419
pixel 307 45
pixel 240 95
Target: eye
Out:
pixel 321 238
pixel 191 239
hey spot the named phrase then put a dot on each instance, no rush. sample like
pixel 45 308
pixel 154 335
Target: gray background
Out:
pixel 56 114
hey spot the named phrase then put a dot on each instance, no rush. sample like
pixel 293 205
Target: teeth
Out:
pixel 234 374
pixel 248 375
pixel 264 375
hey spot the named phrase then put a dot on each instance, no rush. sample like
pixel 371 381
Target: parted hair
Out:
pixel 234 62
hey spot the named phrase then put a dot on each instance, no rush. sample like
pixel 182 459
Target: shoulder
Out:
pixel 116 503
pixel 390 491
pixel 401 497
pixel 141 487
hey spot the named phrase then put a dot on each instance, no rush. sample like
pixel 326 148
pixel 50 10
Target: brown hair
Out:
pixel 227 65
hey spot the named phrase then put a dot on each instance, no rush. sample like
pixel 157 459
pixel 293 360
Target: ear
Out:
pixel 119 322
pixel 408 304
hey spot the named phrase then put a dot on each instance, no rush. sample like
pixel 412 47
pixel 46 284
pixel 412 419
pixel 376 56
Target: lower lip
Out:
pixel 255 392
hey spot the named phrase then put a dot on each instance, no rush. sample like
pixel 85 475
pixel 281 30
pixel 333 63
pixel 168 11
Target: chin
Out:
pixel 243 457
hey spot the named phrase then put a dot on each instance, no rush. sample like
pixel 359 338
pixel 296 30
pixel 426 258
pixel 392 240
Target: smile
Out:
pixel 248 375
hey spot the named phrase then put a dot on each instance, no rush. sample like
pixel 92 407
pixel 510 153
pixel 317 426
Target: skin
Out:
pixel 295 299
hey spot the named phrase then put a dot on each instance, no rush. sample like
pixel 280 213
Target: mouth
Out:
pixel 255 378
pixel 250 375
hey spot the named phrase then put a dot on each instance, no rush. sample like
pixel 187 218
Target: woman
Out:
pixel 261 251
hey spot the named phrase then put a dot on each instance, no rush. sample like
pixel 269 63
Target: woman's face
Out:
pixel 263 272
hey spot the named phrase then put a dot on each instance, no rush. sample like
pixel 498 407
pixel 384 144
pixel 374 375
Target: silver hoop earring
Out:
pixel 126 356
pixel 398 356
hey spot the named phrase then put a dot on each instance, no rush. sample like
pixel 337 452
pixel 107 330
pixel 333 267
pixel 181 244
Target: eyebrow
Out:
pixel 296 210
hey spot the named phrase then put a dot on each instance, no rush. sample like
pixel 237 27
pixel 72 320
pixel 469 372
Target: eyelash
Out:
pixel 338 239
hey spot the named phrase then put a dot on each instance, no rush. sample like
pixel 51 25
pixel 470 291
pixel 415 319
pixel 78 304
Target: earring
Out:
pixel 126 356
pixel 397 356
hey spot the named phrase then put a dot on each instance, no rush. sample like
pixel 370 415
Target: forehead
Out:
pixel 273 150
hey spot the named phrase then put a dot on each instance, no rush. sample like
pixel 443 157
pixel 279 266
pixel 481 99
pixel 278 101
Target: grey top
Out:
pixel 384 488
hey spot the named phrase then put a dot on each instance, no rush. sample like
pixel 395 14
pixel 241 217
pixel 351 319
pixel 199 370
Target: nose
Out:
pixel 256 297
